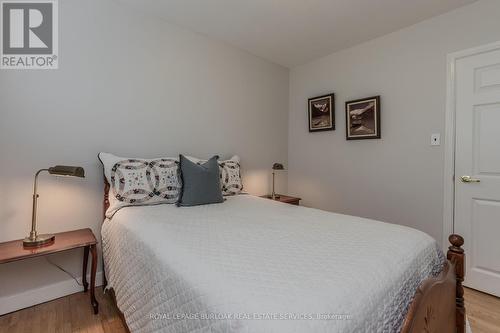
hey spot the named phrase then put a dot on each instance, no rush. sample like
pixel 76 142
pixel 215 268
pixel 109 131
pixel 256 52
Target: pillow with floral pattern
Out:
pixel 139 181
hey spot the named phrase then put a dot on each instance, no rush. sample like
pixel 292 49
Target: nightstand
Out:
pixel 64 241
pixel 285 199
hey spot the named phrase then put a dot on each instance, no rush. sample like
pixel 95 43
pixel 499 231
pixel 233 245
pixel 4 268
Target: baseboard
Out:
pixel 43 294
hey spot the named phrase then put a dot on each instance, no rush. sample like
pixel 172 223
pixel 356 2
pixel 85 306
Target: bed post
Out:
pixel 105 208
pixel 106 198
pixel 457 256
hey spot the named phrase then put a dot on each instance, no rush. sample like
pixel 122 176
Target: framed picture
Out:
pixel 322 113
pixel 363 118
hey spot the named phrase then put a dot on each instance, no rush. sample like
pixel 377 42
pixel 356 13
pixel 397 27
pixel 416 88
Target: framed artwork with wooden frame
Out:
pixel 322 113
pixel 363 118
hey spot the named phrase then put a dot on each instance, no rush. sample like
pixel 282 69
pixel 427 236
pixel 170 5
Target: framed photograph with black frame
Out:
pixel 322 113
pixel 363 118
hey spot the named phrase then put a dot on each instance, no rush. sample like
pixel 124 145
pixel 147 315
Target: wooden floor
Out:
pixel 74 314
pixel 483 311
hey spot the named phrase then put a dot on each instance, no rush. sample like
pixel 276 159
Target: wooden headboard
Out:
pixel 106 198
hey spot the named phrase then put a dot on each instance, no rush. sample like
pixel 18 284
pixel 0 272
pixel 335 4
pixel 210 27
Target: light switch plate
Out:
pixel 435 139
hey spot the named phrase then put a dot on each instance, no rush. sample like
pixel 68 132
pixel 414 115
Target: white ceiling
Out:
pixel 293 32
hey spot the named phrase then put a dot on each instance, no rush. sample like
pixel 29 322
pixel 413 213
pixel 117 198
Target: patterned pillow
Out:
pixel 137 181
pixel 230 176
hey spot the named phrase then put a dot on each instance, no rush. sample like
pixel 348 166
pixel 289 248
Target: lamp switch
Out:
pixel 435 139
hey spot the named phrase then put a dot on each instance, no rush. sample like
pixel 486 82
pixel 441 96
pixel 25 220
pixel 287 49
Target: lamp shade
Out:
pixel 65 170
pixel 278 166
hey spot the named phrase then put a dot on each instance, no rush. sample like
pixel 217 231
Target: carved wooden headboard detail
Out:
pixel 106 197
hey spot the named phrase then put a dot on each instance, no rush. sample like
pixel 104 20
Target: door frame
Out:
pixel 450 135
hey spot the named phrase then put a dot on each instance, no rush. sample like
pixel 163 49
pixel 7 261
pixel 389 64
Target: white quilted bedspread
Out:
pixel 254 265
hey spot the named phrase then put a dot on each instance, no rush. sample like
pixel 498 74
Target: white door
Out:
pixel 477 156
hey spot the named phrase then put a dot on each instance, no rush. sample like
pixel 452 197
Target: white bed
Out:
pixel 250 264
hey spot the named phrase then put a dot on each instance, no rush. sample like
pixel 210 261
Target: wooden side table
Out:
pixel 64 241
pixel 284 198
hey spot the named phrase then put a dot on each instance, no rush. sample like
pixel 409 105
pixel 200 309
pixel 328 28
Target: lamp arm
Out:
pixel 35 202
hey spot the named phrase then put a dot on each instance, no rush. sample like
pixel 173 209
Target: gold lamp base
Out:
pixel 39 240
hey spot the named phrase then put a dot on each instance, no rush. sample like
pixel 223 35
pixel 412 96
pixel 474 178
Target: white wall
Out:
pixel 135 86
pixel 399 178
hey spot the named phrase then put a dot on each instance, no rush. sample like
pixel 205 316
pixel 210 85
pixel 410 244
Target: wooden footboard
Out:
pixel 438 305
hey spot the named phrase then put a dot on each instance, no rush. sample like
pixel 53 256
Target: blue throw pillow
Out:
pixel 201 182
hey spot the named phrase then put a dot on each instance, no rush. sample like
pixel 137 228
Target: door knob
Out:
pixel 468 179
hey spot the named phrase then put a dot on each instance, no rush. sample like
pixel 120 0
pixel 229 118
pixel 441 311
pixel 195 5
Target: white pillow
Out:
pixel 139 181
pixel 230 176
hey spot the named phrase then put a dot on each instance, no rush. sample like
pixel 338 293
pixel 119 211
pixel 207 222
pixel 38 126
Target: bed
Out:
pixel 255 265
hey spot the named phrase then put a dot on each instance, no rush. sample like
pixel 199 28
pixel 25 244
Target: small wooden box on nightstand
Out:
pixel 285 199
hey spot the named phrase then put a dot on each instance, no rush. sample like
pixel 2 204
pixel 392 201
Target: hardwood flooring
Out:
pixel 73 313
pixel 483 311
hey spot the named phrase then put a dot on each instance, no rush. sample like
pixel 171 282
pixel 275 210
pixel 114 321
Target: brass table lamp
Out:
pixel 276 166
pixel 34 239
